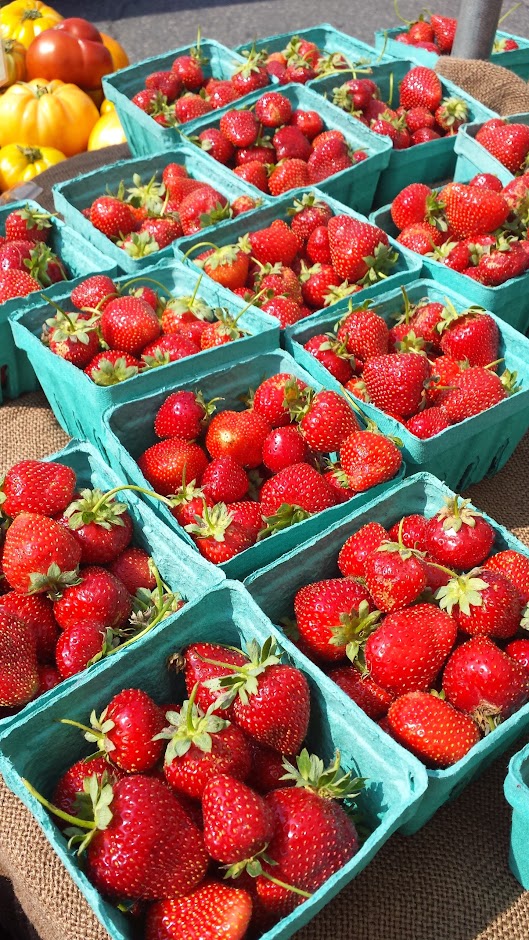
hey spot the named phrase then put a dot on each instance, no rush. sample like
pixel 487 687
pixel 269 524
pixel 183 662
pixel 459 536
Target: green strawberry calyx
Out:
pixel 285 516
pixel 212 524
pixel 53 581
pixel 331 782
pixel 111 373
pixel 354 628
pixel 379 264
pixel 149 195
pixel 462 590
pixel 457 513
pixel 190 726
pixel 92 506
pixel 95 816
pixel 454 111
pixel 70 326
pixel 242 681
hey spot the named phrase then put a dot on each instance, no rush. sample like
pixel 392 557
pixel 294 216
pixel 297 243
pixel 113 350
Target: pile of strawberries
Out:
pixel 27 263
pixel 72 586
pixel 302 61
pixel 478 228
pixel 422 113
pixel 217 781
pixel 184 92
pixel 276 148
pixel 437 35
pixel 431 623
pixel 118 331
pixel 291 269
pixel 509 143
pixel 146 217
pixel 433 368
pixel 242 475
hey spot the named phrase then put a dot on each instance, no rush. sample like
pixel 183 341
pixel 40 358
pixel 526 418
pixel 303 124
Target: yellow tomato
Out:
pixel 47 114
pixel 20 164
pixel 106 106
pixel 24 19
pixel 107 132
pixel 120 58
pixel 15 60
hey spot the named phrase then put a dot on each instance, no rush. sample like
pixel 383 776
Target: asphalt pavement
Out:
pixel 149 27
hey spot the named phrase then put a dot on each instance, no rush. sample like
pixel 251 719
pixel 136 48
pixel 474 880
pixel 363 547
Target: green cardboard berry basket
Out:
pixel 395 780
pixel 508 301
pixel 16 373
pixel 354 186
pixel 72 196
pixel 144 135
pixel 424 163
pixel 275 587
pixel 228 232
pixel 328 39
pixel 516 789
pixel 475 158
pixel 517 60
pixel 179 567
pixel 128 431
pixel 79 404
pixel 464 453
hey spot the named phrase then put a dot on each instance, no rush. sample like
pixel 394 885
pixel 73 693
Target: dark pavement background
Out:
pixel 147 27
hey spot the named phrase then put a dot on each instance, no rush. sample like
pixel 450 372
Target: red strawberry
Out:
pixel 483 602
pixel 351 241
pixel 423 135
pixel 126 731
pixel 132 567
pixel 369 458
pixel 417 119
pixel 515 566
pixel 94 292
pixel 79 644
pixel 238 823
pixel 290 174
pixel 189 70
pixel 444 29
pixel 191 106
pixel 362 689
pixel 317 247
pixel 476 390
pixel 328 420
pixel 103 527
pixel 413 204
pixel 333 616
pixel 519 651
pixel 224 480
pixel 36 612
pixel 39 554
pixel 428 423
pixel 432 729
pixel 421 87
pixel 213 142
pixel 508 143
pixel 472 335
pixel 69 789
pixel 98 595
pixel 458 537
pixel 199 669
pixel 19 680
pixel 164 464
pixel 112 217
pixel 168 349
pixel 283 447
pixel 28 224
pixel 276 243
pixel 273 109
pixel 248 515
pixel 209 909
pixel 129 324
pixel 250 76
pixel 451 114
pixel 14 255
pixel 421 237
pixel 113 366
pixel 287 311
pixel 227 265
pixel 299 486
pixel 309 122
pixel 74 337
pixel 364 333
pixel 204 206
pixel 168 83
pixel 46 487
pixel 358 546
pixel 394 576
pixel 274 396
pixel 485 682
pixel 239 127
pixel 411 530
pixel 396 382
pixel 332 355
pixel 470 210
pixel 254 172
pixel 183 414
pixel 218 536
pixel 16 284
pixel 331 157
pixel 239 435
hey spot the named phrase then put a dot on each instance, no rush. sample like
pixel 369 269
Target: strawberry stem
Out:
pixel 150 280
pixel 73 820
pixel 130 486
pixel 283 884
pixel 194 294
pixel 159 617
pixel 199 245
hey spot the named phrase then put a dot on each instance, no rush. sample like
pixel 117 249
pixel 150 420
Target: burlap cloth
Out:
pixel 451 881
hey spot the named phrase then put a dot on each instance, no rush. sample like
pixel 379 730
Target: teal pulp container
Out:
pixel 516 789
pixel 143 133
pixel 179 567
pixel 395 780
pixel 517 60
pixel 16 372
pixel 424 163
pixel 79 404
pixel 128 431
pixel 71 196
pixel 328 39
pixel 226 233
pixel 508 301
pixel 464 453
pixel 476 158
pixel 275 587
pixel 354 186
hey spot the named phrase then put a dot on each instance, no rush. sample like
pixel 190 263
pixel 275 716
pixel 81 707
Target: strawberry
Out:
pixel 164 464
pixel 299 486
pixel 112 217
pixel 218 536
pixel 351 242
pixel 184 415
pixel 201 745
pixel 364 333
pixel 28 224
pixel 444 30
pixel 276 243
pixel 413 204
pixel 519 651
pixel 274 396
pixel 16 284
pixel 97 595
pixel 317 247
pixel 126 731
pixel 428 423
pixel 224 480
pixel 199 668
pixel 18 661
pixel 417 119
pixel 283 447
pixel 164 230
pixel 36 612
pixel 239 127
pixel 331 157
pixel 317 284
pixel 168 349
pixel 458 537
pixel 292 173
pixel 423 135
pixel 307 214
pixel 227 265
pixel 333 356
pixel 168 83
pixel 267 768
pixel 191 106
pixel 273 109
pixel 243 204
pixel 40 486
pixel 103 527
pixel 80 644
pixel 394 576
pixel 396 382
pixel 287 311
pixel 213 142
pixel 487 181
pixel 485 682
pixel 129 324
pixel 239 435
pixel 451 114
pixel 204 206
pixel 132 567
pixel 476 390
pixel 39 554
pixel 238 823
pixel 358 546
pixel 471 334
pixel 509 143
pixel 248 515
pixel 213 909
pixel 333 616
pixel 499 266
pixel 421 237
pixel 254 172
pixel 73 336
pixel 14 255
pixel 411 530
pixel 95 291
pixel 290 143
pixel 362 689
pixel 432 729
pixel 309 122
pixel 368 458
pixel 326 421
pixel 112 366
pixel 470 210
pixel 516 568
pixel 69 794
pixel 483 602
pixel 421 87
pixel 250 76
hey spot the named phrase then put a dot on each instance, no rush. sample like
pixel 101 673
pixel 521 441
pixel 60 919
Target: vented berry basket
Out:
pixel 516 789
pixel 79 404
pixel 475 158
pixel 395 780
pixel 517 60
pixel 179 567
pixel 425 163
pixel 275 586
pixel 16 373
pixel 72 196
pixel 128 431
pixel 463 453
pixel 354 186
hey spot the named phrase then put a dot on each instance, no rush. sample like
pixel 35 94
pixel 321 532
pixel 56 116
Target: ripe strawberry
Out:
pixel 428 423
pixel 112 217
pixel 396 382
pixel 73 336
pixel 113 366
pixel 168 349
pixel 199 669
pixel 477 389
pixel 243 204
pixel 351 241
pixel 218 536
pixel 239 127
pixel 287 311
pixel 254 172
pixel 358 546
pixel 39 554
pixel 204 206
pixel 183 414
pixel 213 142
pixel 413 204
pixel 36 612
pixel 276 243
pixel 283 447
pixel 14 255
pixel 227 265
pixel 28 224
pixel 132 567
pixel 317 247
pixel 516 568
pixel 46 487
pixel 18 661
pixel 332 355
pixel 248 515
pixel 472 335
pixel 79 644
pixel 224 480
pixel 369 458
pixel 327 422
pixel 164 230
pixel 364 333
pixel 470 210
pixel 274 397
pixel 508 143
pixel 432 729
pixel 307 214
pixel 421 87
pixel 499 266
pixel 16 284
pixel 102 527
pixel 485 682
pixel 394 576
pixel 300 486
pixel 451 114
pixel 444 28
pixel 411 530
pixel 212 909
pixel 191 106
pixel 458 537
pixel 318 283
pixel 98 595
pixel 421 237
pixel 362 689
pixel 417 119
pixel 239 435
pixel 69 790
pixel 519 651
pixel 309 122
pixel 290 174
pixel 163 465
pixel 238 823
pixel 129 324
pixel 250 76
pixel 483 602
pixel 273 109
pixel 127 729
pixel 331 157
pixel 95 291
pixel 333 616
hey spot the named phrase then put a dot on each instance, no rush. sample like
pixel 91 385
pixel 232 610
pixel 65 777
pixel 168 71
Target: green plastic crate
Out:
pixel 16 373
pixel 144 135
pixel 275 587
pixel 508 301
pixel 128 431
pixel 71 196
pixel 228 232
pixel 395 780
pixel 179 567
pixel 354 186
pixel 476 158
pixel 79 404
pixel 464 453
pixel 424 163
pixel 516 789
pixel 517 60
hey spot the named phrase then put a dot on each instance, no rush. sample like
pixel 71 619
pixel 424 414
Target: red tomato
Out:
pixel 73 51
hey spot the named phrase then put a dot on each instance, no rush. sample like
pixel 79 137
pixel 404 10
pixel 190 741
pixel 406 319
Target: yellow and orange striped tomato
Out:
pixel 20 164
pixel 24 19
pixel 15 60
pixel 47 114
